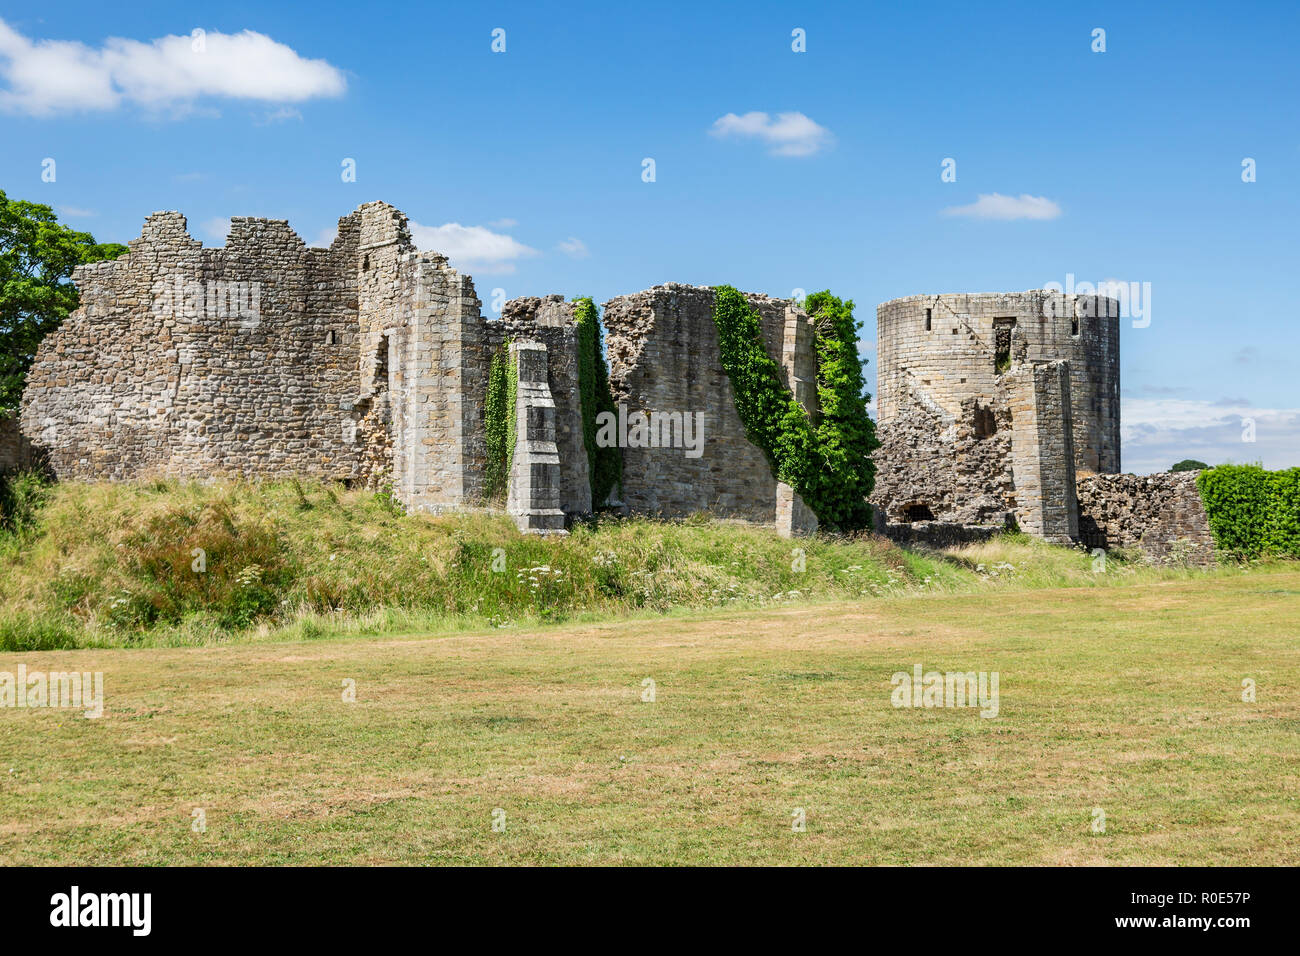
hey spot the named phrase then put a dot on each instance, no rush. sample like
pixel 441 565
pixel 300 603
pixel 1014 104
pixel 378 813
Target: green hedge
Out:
pixel 826 458
pixel 604 465
pixel 1251 511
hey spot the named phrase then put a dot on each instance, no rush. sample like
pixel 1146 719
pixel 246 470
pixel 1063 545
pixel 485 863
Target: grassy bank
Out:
pixel 1123 699
pixel 172 564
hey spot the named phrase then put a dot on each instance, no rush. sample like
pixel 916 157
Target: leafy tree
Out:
pixel 1190 464
pixel 37 256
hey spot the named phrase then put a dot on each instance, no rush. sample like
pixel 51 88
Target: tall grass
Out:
pixel 169 563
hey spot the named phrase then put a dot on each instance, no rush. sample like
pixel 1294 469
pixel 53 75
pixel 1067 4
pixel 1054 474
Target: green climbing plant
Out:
pixel 499 421
pixel 826 456
pixel 604 465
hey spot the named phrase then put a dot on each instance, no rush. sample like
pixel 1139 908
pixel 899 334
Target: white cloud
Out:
pixel 75 212
pixel 503 223
pixel 574 248
pixel 472 248
pixel 218 228
pixel 789 134
pixel 1157 432
pixel 41 77
pixel 325 238
pixel 998 206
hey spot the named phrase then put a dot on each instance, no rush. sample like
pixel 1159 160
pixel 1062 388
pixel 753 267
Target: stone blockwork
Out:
pixel 549 321
pixel 16 452
pixel 991 404
pixel 1161 515
pixel 368 362
pixel 946 347
pixel 534 494
pixel 1042 456
pixel 664 358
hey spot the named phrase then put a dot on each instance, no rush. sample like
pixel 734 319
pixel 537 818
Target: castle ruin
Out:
pixel 368 363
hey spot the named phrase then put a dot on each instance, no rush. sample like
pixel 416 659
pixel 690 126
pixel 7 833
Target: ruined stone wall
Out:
pixel 932 465
pixel 424 355
pixel 549 321
pixel 365 362
pixel 192 362
pixel 664 357
pixel 533 495
pixel 1162 515
pixel 1042 457
pixel 957 357
pixel 16 452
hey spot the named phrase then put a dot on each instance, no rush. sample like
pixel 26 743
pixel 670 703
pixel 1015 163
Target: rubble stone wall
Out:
pixel 1162 515
pixel 946 347
pixel 364 362
pixel 192 362
pixel 664 357
pixel 16 452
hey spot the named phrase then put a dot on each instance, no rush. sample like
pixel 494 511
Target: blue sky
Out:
pixel 526 165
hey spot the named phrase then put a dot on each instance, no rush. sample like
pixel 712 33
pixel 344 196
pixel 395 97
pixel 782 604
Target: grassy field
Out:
pixel 1126 697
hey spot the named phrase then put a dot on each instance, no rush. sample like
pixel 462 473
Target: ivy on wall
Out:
pixel 1251 511
pixel 825 457
pixel 499 421
pixel 604 465
pixel 845 432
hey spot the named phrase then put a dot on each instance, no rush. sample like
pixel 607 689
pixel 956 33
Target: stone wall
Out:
pixel 549 321
pixel 192 362
pixel 1162 515
pixel 533 496
pixel 946 347
pixel 1042 456
pixel 664 357
pixel 16 452
pixel 420 322
pixel 365 362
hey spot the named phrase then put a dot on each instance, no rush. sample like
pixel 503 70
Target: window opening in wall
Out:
pixel 919 511
pixel 1002 344
pixel 365 263
pixel 927 320
pixel 329 337
pixel 1074 325
pixel 986 425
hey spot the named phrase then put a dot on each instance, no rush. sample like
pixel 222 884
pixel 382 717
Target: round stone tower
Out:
pixel 937 351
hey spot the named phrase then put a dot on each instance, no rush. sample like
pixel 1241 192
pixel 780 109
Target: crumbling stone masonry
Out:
pixel 533 497
pixel 16 451
pixel 991 404
pixel 1004 408
pixel 1161 515
pixel 549 322
pixel 664 356
pixel 368 363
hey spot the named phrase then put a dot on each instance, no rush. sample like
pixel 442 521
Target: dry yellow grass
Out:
pixel 1125 698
